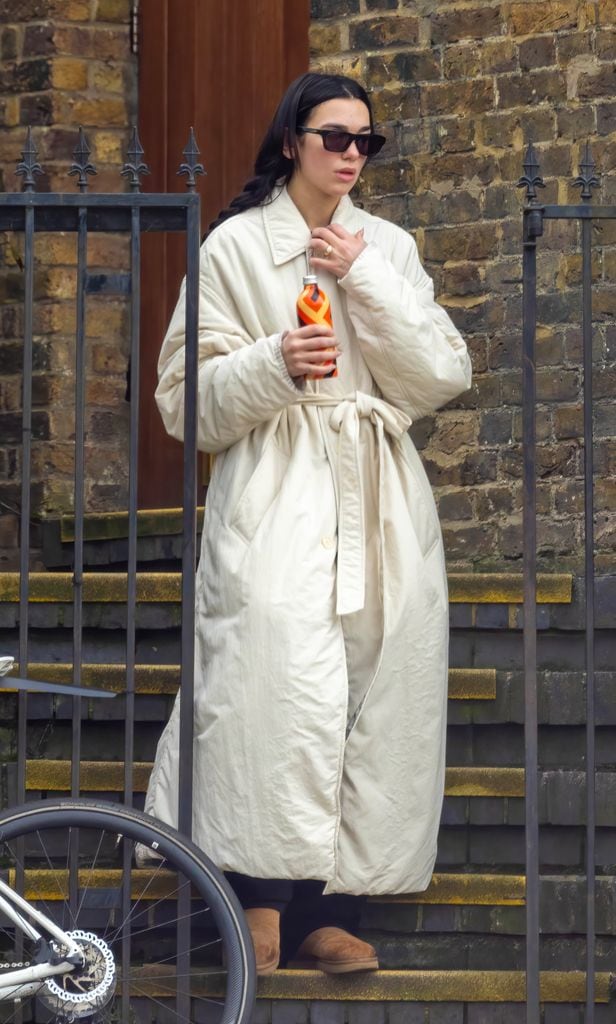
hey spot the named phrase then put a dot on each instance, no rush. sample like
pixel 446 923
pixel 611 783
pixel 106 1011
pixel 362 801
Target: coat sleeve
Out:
pixel 411 347
pixel 243 381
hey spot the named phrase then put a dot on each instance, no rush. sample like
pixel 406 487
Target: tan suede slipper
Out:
pixel 264 924
pixel 334 951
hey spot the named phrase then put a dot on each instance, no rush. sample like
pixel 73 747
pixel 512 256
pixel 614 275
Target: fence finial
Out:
pixel 191 167
pixel 135 167
pixel 587 178
pixel 531 177
pixel 28 165
pixel 81 164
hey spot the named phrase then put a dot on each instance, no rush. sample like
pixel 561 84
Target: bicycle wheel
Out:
pixel 173 946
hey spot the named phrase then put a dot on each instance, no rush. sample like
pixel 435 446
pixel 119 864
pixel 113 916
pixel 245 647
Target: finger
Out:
pixel 360 235
pixel 312 330
pixel 335 267
pixel 319 345
pixel 339 231
pixel 326 234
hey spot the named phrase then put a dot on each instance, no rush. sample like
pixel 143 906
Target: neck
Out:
pixel 317 210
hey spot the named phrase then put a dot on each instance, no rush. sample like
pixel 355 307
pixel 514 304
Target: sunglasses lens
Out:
pixel 337 142
pixel 373 145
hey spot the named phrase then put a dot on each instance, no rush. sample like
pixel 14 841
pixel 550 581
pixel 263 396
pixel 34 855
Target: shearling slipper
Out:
pixel 264 925
pixel 334 951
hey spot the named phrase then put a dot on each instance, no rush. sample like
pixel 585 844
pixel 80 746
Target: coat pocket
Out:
pixel 260 492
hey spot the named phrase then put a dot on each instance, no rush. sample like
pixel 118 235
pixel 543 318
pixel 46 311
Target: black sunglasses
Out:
pixel 335 141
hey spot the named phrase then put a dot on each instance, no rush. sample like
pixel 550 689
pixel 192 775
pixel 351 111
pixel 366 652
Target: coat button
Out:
pixel 328 542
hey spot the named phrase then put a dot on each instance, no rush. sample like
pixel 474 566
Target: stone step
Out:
pixel 405 986
pixel 464 684
pixel 108 776
pixel 446 888
pixel 165 587
pixel 562 793
pixel 480 802
pixel 478 696
pixel 149 883
pixel 432 986
pixel 151 522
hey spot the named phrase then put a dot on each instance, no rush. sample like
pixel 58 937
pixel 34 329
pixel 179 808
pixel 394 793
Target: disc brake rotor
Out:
pixel 86 989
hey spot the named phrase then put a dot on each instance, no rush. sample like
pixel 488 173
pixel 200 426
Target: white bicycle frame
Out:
pixel 26 981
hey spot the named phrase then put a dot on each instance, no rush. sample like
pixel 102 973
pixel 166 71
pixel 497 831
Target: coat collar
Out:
pixel 288 234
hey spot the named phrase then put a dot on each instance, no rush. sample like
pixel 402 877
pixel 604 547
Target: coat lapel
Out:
pixel 286 231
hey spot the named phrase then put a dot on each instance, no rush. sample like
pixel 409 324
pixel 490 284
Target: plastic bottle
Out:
pixel 313 307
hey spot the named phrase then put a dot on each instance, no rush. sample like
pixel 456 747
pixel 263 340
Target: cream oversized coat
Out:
pixel 321 623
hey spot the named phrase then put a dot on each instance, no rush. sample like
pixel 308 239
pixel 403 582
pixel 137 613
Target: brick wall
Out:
pixel 63 63
pixel 459 88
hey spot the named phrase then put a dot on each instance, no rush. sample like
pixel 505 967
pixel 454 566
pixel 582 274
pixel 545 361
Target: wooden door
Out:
pixel 220 66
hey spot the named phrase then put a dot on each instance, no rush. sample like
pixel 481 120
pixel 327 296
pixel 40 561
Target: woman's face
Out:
pixel 320 172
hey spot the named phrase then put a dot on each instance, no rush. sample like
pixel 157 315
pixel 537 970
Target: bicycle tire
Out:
pixel 36 837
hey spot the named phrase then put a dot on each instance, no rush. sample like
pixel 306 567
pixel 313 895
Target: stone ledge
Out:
pixel 108 776
pixel 464 684
pixel 156 522
pixel 152 883
pixel 437 986
pixel 155 587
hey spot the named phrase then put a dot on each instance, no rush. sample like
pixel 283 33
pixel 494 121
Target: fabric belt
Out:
pixel 344 419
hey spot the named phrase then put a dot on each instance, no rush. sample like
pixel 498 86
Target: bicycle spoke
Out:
pixel 147 970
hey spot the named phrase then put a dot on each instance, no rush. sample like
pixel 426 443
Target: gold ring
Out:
pixel 327 251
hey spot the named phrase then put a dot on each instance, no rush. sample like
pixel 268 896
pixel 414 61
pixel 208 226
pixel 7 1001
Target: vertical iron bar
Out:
pixel 131 596
pixel 80 388
pixel 24 551
pixel 590 618
pixel 189 546
pixel 530 618
pixel 24 525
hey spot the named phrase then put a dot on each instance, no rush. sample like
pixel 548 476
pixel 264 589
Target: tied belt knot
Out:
pixel 345 419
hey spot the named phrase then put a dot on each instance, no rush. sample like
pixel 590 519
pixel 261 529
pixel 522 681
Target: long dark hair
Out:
pixel 271 165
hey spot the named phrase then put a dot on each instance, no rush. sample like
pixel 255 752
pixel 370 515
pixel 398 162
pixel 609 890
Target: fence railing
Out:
pixel 82 214
pixel 535 213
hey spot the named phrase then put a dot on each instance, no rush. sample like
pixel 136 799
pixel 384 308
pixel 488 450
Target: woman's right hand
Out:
pixel 309 350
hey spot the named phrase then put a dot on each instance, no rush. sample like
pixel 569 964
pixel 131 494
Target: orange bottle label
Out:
pixel 313 307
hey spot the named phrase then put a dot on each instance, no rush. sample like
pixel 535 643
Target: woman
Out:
pixel 321 664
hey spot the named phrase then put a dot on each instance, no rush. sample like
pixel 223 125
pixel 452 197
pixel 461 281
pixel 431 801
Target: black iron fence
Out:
pixel 82 213
pixel 535 213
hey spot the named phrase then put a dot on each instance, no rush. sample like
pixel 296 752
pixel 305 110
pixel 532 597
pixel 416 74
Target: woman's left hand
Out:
pixel 334 249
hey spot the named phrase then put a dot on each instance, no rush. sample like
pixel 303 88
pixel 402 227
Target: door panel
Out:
pixel 222 68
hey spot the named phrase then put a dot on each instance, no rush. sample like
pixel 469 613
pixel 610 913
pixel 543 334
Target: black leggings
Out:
pixel 302 905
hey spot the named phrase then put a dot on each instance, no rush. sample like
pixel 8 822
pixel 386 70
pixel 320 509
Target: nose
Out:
pixel 352 151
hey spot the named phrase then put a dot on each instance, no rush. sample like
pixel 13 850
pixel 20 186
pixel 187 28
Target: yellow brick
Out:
pixel 69 74
pixel 106 77
pixel 109 251
pixel 106 319
pixel 108 147
pixel 324 39
pixel 11 111
pixel 106 392
pixel 112 10
pixel 530 18
pixel 100 112
pixel 55 249
pixel 61 283
pixel 108 358
pixel 73 10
